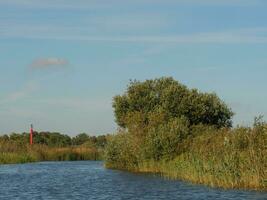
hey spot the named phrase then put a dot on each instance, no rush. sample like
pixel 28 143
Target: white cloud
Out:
pixel 48 63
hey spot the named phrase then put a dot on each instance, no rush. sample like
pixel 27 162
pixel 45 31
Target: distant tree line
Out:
pixel 55 139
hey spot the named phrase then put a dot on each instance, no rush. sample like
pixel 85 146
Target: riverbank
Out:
pixel 228 159
pixel 50 146
pixel 38 153
pixel 183 133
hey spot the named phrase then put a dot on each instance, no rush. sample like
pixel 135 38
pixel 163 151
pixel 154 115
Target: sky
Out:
pixel 62 61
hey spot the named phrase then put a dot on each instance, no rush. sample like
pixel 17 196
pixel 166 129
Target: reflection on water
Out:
pixel 89 180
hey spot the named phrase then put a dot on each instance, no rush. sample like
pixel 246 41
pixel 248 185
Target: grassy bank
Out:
pixel 219 158
pixel 182 133
pixel 228 159
pixel 49 147
pixel 38 153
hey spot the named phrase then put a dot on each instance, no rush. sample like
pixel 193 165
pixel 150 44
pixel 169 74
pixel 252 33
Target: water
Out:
pixel 89 180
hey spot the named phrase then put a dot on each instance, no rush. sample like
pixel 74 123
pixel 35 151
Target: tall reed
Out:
pixel 227 158
pixel 13 152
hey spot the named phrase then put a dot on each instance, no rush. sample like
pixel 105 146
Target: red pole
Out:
pixel 31 135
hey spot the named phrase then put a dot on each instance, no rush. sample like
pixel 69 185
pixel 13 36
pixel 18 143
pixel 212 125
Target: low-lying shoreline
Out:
pixel 50 146
pixel 37 153
pixel 172 170
pixel 183 133
pixel 229 159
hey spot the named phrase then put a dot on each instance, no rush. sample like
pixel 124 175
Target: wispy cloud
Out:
pixel 108 25
pixel 43 63
pixel 128 27
pixel 130 23
pixel 20 112
pixel 21 93
pixel 209 37
pixel 221 2
pixel 34 31
pixel 82 4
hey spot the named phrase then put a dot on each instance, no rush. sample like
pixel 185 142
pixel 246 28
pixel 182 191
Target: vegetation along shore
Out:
pixel 48 146
pixel 185 134
pixel 166 128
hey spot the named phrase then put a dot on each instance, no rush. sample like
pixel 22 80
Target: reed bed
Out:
pixel 226 158
pixel 13 152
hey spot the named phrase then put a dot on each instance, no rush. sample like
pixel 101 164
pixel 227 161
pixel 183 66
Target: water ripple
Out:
pixel 89 180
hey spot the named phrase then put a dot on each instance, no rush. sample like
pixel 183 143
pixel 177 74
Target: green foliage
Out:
pixel 173 99
pixel 163 141
pixel 228 158
pixel 86 140
pixel 10 158
pixel 13 152
pixel 183 133
pixel 157 116
pixel 50 147
pixel 122 152
pixel 52 139
pixel 80 139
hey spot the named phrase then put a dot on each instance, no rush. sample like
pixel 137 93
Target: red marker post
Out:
pixel 31 135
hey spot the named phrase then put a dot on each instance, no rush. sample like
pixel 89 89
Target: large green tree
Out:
pixel 163 99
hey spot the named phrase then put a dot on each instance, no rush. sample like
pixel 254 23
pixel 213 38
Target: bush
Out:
pixel 163 141
pixel 122 152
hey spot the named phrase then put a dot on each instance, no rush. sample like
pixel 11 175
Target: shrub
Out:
pixel 163 141
pixel 122 152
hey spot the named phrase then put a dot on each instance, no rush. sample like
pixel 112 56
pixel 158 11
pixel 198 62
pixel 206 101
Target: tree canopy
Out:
pixel 163 99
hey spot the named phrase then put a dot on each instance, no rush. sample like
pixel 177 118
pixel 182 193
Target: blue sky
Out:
pixel 62 61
